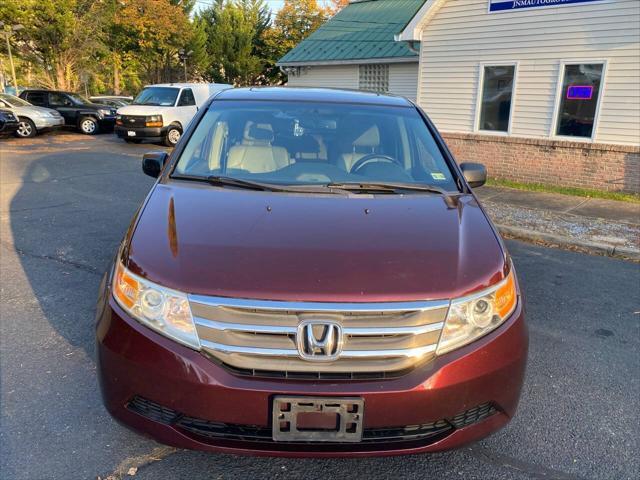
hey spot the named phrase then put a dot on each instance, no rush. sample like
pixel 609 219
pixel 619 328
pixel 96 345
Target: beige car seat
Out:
pixel 369 140
pixel 256 154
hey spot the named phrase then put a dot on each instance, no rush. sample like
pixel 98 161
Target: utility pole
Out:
pixel 8 30
pixel 183 55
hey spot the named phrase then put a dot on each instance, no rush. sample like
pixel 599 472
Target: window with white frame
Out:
pixel 374 78
pixel 577 106
pixel 496 97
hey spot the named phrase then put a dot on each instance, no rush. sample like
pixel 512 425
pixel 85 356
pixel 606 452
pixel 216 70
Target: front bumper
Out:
pixel 44 123
pixel 9 128
pixel 136 364
pixel 140 132
pixel 107 123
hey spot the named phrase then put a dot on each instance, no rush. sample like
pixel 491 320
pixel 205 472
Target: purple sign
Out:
pixel 580 92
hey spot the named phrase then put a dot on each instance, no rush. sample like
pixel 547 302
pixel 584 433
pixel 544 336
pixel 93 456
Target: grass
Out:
pixel 576 192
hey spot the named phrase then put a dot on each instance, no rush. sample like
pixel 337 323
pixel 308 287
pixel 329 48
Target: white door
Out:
pixel 186 107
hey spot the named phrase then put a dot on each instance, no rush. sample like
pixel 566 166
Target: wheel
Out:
pixel 88 125
pixel 173 135
pixel 27 129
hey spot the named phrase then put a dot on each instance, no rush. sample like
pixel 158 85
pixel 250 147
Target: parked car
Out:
pixel 8 122
pixel 162 112
pixel 116 101
pixel 89 118
pixel 33 120
pixel 311 275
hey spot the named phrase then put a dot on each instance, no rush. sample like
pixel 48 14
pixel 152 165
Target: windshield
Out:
pixel 13 101
pixel 293 143
pixel 79 99
pixel 158 96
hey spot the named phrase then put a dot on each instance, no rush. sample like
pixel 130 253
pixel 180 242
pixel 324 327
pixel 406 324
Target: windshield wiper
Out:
pixel 222 180
pixel 392 187
pixel 236 182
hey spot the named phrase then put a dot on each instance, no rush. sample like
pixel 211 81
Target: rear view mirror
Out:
pixel 153 163
pixel 474 173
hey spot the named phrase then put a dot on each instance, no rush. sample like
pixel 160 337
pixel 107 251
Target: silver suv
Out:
pixel 33 120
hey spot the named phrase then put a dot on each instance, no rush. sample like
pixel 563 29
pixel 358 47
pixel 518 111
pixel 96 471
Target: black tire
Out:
pixel 172 137
pixel 88 125
pixel 27 128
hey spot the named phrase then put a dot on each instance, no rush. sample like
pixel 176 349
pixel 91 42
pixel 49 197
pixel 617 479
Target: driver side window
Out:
pixel 186 98
pixel 59 100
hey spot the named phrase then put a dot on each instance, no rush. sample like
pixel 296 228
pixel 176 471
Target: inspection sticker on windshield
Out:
pixel 438 176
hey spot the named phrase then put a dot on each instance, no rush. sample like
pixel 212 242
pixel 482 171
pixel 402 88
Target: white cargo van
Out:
pixel 163 111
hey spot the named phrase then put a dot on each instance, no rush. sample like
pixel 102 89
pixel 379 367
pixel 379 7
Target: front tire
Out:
pixel 88 125
pixel 27 129
pixel 173 135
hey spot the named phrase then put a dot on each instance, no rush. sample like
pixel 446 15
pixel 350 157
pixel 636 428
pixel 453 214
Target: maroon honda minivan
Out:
pixel 311 275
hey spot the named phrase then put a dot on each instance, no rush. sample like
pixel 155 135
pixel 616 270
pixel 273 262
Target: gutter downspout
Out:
pixel 411 44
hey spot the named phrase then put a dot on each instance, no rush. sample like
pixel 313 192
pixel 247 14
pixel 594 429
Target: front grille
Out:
pixel 473 415
pixel 152 410
pixel 260 338
pixel 134 120
pixel 253 433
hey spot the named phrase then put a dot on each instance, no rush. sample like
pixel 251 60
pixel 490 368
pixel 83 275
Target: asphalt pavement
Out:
pixel 65 202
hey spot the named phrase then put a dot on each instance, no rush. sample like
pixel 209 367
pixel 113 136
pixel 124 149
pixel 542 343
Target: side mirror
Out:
pixel 153 163
pixel 474 173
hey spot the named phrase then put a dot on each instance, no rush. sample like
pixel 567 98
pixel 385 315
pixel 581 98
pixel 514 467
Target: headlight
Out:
pixel 164 310
pixel 118 119
pixel 154 121
pixel 472 317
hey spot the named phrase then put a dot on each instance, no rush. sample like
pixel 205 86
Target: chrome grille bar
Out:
pixel 301 307
pixel 278 352
pixel 351 331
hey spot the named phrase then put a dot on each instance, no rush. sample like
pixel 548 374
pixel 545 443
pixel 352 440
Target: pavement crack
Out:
pixel 44 207
pixel 511 463
pixel 63 261
pixel 571 209
pixel 133 464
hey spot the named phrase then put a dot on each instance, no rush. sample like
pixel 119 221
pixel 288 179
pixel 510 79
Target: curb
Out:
pixel 596 248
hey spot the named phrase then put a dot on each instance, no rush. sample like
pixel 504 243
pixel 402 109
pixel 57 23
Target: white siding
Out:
pixel 462 34
pixel 403 79
pixel 338 76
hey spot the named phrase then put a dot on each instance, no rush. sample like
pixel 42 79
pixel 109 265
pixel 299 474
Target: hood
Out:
pixel 279 246
pixel 32 110
pixel 141 110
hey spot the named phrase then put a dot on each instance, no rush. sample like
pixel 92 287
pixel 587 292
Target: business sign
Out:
pixel 505 5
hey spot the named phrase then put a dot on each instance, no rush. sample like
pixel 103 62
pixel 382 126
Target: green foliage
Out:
pixel 120 45
pixel 234 30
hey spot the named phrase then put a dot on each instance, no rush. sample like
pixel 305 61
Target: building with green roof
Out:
pixel 357 48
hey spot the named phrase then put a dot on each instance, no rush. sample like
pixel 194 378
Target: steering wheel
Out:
pixel 378 157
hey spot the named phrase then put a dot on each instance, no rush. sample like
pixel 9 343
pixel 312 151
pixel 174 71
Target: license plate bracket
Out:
pixel 291 413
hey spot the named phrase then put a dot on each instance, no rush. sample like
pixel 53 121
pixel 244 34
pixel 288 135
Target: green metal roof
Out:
pixel 363 30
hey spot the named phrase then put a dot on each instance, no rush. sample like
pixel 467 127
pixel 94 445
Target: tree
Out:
pixel 155 30
pixel 60 38
pixel 234 30
pixel 293 23
pixel 337 5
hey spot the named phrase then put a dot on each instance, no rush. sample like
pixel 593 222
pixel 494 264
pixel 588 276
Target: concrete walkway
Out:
pixel 601 226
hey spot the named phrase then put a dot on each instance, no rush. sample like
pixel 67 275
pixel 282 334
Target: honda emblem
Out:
pixel 319 340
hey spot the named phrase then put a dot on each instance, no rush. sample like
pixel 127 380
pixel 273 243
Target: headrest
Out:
pixel 262 133
pixel 370 138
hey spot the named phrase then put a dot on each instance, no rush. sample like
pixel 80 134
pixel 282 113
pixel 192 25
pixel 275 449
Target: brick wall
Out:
pixel 569 164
